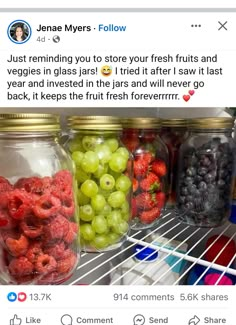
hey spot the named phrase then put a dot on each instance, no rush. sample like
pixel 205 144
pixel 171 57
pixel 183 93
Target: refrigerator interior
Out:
pixel 99 268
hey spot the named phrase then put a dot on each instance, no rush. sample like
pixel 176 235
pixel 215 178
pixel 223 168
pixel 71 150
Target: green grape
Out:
pixel 100 241
pixel 116 199
pixel 82 199
pixel 123 152
pixel 90 162
pixel 114 218
pixel 113 238
pixel 89 142
pixel 89 188
pixel 107 182
pixel 118 162
pixel 86 212
pixel 126 216
pixel 99 224
pixel 98 202
pixel 123 183
pixel 103 152
pixel 102 169
pixel 87 232
pixel 106 210
pixel 112 143
pixel 76 145
pixel 125 208
pixel 77 157
pixel 121 228
pixel 81 176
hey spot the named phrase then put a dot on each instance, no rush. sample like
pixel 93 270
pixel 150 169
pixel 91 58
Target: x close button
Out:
pixel 222 25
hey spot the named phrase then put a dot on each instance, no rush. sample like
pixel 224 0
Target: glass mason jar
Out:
pixel 141 136
pixel 38 223
pixel 103 173
pixel 173 132
pixel 205 174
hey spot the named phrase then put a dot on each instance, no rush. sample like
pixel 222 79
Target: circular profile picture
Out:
pixel 19 31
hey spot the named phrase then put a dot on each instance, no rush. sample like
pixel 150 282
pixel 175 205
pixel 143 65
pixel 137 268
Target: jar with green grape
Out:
pixel 103 173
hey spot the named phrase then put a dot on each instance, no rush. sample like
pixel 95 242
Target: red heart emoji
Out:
pixel 191 92
pixel 186 97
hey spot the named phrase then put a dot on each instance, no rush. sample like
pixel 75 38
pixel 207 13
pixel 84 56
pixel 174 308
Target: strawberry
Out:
pixel 150 183
pixel 149 216
pixel 134 208
pixel 131 143
pixel 160 199
pixel 147 156
pixel 145 201
pixel 140 167
pixel 159 167
pixel 135 185
pixel 149 136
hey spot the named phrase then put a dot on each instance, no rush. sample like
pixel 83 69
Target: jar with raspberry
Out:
pixel 141 137
pixel 38 222
pixel 103 173
pixel 173 132
pixel 205 172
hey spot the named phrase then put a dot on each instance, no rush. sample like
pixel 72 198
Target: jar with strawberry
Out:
pixel 173 132
pixel 38 222
pixel 141 137
pixel 103 174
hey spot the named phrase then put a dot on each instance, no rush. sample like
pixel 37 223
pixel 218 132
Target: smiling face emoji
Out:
pixel 106 70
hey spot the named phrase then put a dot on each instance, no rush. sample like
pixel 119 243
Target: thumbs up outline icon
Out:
pixel 15 320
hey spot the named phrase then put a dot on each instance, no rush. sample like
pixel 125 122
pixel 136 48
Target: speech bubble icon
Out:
pixel 139 319
pixel 66 320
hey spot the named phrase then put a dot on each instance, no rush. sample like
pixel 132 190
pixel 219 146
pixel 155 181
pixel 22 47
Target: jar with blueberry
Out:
pixel 205 173
pixel 103 173
pixel 38 222
pixel 173 132
pixel 141 136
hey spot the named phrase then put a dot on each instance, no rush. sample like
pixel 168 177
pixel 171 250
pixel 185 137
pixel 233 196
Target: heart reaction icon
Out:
pixel 186 97
pixel 22 296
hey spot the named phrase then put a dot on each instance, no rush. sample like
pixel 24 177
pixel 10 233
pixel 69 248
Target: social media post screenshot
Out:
pixel 117 166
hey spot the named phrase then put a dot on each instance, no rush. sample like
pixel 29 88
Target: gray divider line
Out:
pixel 118 10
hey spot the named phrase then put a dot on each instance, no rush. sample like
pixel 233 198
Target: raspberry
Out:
pixel 4 199
pixel 45 264
pixel 56 251
pixel 17 247
pixel 67 206
pixel 33 252
pixel 6 222
pixel 50 278
pixel 57 228
pixel 19 204
pixel 31 227
pixel 4 180
pixel 62 184
pixel 46 206
pixel 66 264
pixel 30 185
pixel 72 233
pixel 20 266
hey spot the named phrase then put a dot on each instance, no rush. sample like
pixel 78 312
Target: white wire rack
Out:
pixel 97 268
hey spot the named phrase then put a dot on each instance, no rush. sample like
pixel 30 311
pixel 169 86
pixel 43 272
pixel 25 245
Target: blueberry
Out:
pixel 189 198
pixel 198 179
pixel 221 183
pixel 222 173
pixel 210 177
pixel 188 180
pixel 202 171
pixel 192 188
pixel 191 171
pixel 202 186
pixel 205 161
pixel 182 199
pixel 184 190
pixel 189 206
